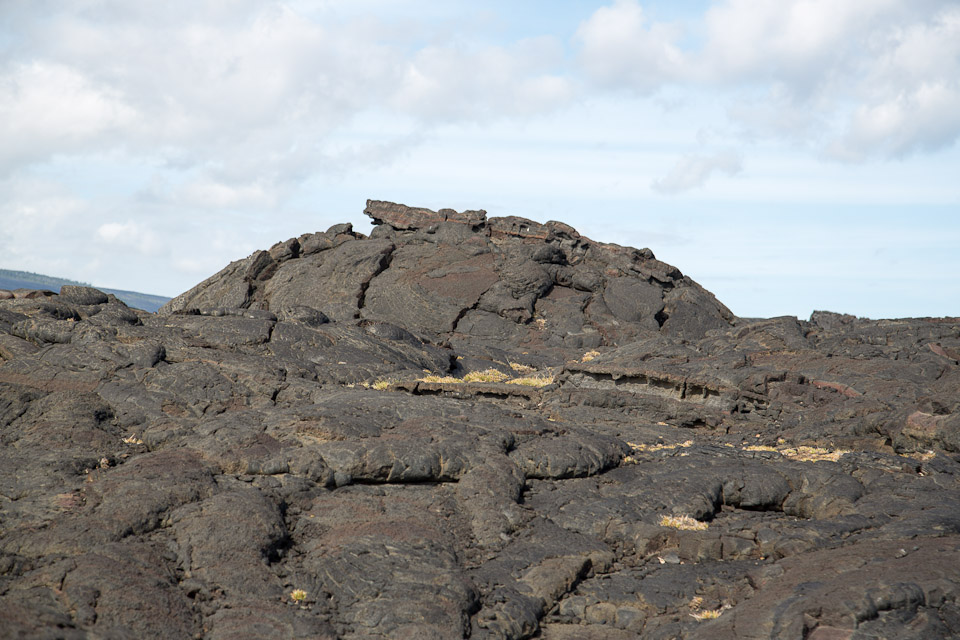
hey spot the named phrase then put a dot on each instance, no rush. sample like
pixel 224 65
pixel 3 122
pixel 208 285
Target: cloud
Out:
pixel 236 105
pixel 924 119
pixel 262 76
pixel 456 82
pixel 620 48
pixel 865 78
pixel 692 171
pixel 857 80
pixel 264 92
pixel 210 193
pixel 48 108
pixel 911 99
pixel 796 42
pixel 129 235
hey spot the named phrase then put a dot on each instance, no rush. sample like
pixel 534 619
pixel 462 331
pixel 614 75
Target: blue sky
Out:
pixel 790 155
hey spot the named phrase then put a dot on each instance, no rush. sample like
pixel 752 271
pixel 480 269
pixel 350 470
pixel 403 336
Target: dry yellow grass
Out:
pixel 709 614
pixel 813 454
pixel 589 355
pixel 646 448
pixel 491 375
pixel 298 595
pixel 440 379
pixel 532 381
pixel 659 447
pixel 380 385
pixel 522 369
pixel 487 375
pixel 684 523
pixel 802 453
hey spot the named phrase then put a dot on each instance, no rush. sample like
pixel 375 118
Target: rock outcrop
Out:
pixel 470 427
pixel 459 278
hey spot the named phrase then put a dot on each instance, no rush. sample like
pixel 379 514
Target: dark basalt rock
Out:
pixel 470 427
pixel 459 278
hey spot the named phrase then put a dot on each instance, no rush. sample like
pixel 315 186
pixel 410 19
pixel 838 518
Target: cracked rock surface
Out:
pixel 462 427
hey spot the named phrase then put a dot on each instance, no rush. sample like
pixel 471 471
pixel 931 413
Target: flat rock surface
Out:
pixel 470 427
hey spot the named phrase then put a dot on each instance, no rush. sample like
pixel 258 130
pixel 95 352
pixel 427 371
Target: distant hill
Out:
pixel 26 280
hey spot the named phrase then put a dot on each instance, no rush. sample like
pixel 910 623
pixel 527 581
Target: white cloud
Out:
pixel 261 76
pixel 858 79
pixel 210 193
pixel 620 48
pixel 33 209
pixel 129 236
pixel 799 42
pixel 48 108
pixel 910 102
pixel 924 119
pixel 692 171
pixel 456 83
pixel 114 232
pixel 41 223
pixel 249 99
pixel 253 92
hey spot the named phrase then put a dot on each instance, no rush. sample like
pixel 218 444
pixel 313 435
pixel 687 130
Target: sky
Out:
pixel 789 155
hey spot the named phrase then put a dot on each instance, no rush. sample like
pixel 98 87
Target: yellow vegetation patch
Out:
pixel 803 453
pixel 709 614
pixel 487 375
pixel 813 454
pixel 298 595
pixel 440 379
pixel 659 447
pixel 491 375
pixel 522 369
pixel 531 381
pixel 684 523
pixel 589 355
pixel 380 385
pixel 646 448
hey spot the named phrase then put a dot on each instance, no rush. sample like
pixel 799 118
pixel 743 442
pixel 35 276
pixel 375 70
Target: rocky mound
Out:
pixel 459 278
pixel 469 427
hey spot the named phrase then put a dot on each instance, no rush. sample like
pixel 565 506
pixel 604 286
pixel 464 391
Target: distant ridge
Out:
pixel 10 279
